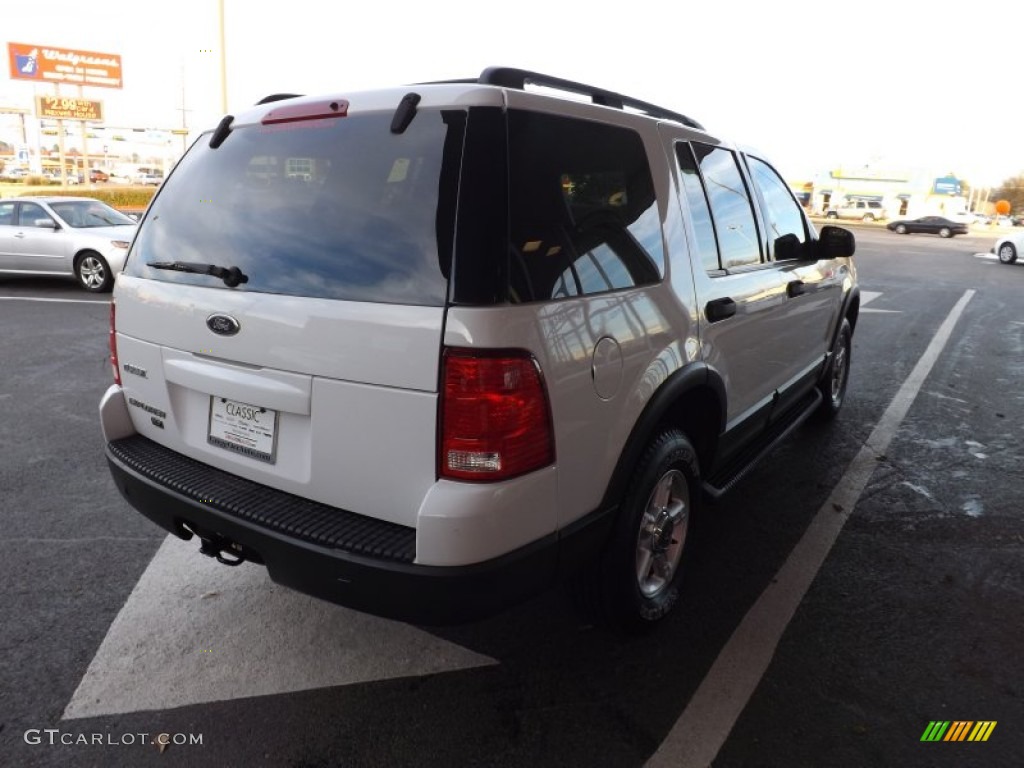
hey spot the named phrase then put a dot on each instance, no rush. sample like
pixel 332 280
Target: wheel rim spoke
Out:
pixel 643 566
pixel 661 493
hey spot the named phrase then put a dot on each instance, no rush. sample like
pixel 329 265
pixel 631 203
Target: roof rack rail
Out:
pixel 278 97
pixel 509 77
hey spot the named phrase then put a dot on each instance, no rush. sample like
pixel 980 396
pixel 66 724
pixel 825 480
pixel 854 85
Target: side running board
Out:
pixel 730 473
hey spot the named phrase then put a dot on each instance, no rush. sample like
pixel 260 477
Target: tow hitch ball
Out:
pixel 212 548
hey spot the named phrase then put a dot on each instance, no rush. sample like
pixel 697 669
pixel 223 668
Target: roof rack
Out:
pixel 509 77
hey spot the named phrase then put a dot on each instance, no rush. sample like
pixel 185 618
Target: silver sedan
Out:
pixel 64 236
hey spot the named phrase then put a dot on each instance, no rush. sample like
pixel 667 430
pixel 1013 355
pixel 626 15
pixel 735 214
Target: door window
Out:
pixel 31 213
pixel 781 211
pixel 730 206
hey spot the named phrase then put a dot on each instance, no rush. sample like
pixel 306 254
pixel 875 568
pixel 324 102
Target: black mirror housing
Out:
pixel 836 242
pixel 788 247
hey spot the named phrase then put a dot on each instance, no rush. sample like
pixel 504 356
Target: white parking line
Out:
pixel 194 631
pixel 705 724
pixel 58 301
pixel 866 297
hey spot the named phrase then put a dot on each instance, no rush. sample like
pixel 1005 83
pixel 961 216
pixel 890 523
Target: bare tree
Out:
pixel 1011 190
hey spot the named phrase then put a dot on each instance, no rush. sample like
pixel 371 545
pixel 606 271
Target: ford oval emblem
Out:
pixel 223 325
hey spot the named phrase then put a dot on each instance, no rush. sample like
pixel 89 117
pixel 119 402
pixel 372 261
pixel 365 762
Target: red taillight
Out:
pixel 495 420
pixel 112 338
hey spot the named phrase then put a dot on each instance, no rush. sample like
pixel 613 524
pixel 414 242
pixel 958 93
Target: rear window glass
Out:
pixel 339 208
pixel 583 213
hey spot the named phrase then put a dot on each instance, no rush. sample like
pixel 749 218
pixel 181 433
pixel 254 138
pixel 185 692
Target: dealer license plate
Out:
pixel 243 428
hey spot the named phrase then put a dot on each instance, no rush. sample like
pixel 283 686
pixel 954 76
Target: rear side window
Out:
pixel 697 203
pixel 583 214
pixel 338 208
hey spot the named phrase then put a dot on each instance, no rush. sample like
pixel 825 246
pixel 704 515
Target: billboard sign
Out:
pixel 946 185
pixel 66 108
pixel 45 64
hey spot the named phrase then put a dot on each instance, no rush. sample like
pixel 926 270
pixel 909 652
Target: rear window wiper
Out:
pixel 232 276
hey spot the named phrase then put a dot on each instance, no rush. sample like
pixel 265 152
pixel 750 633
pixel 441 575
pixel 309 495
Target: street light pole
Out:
pixel 223 60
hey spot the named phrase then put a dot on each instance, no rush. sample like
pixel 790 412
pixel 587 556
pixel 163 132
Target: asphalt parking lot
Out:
pixel 863 582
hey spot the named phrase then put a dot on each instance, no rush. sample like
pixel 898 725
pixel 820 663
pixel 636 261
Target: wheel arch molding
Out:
pixel 849 310
pixel 692 399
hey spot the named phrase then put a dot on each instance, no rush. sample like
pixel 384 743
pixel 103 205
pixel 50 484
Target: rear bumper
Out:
pixel 333 554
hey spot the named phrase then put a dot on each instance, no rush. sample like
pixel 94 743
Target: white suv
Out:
pixel 423 351
pixel 865 210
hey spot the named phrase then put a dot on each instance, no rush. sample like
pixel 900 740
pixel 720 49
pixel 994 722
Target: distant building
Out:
pixel 902 192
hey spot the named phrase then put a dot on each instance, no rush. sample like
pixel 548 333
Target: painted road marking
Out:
pixel 56 301
pixel 988 257
pixel 193 631
pixel 866 297
pixel 700 732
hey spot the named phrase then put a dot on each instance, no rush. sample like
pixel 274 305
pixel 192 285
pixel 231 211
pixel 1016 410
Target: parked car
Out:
pixel 929 225
pixel 95 175
pixel 439 345
pixel 865 210
pixel 1009 247
pixel 64 236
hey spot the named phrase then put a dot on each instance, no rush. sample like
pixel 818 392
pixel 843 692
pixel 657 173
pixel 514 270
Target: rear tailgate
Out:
pixel 350 390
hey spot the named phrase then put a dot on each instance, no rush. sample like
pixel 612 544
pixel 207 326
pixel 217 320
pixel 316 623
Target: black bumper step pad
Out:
pixel 275 510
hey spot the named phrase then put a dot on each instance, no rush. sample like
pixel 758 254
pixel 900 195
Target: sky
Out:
pixel 815 86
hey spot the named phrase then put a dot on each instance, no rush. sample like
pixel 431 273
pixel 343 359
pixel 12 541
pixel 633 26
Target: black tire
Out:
pixel 901 229
pixel 635 582
pixel 93 273
pixel 837 374
pixel 831 215
pixel 945 232
pixel 869 217
pixel 1007 253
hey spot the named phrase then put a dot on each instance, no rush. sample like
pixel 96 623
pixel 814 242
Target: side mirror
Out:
pixel 45 223
pixel 836 242
pixel 787 247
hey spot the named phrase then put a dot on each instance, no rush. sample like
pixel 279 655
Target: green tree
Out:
pixel 1011 190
